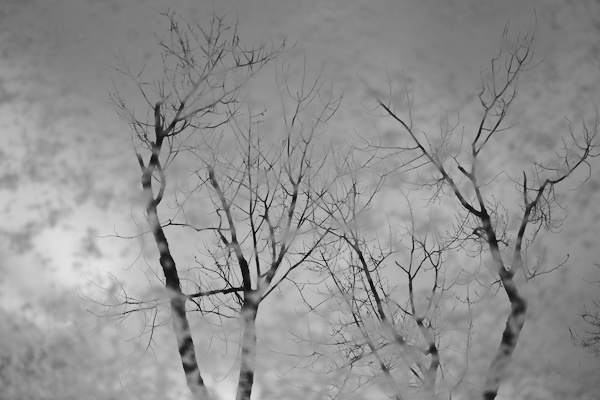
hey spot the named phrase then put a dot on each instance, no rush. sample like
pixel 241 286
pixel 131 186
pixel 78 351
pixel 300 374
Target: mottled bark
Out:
pixel 430 374
pixel 514 324
pixel 248 359
pixel 181 326
pixel 510 336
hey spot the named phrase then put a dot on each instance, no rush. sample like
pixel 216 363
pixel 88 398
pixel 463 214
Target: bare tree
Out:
pixel 257 193
pixel 260 205
pixel 590 338
pixel 265 204
pixel 483 219
pixel 386 325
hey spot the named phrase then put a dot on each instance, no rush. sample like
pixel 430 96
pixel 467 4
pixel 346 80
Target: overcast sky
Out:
pixel 67 169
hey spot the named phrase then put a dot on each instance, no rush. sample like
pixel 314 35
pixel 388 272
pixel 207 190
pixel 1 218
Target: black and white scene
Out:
pixel 300 200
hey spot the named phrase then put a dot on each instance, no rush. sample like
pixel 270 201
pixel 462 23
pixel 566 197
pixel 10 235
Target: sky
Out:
pixel 69 180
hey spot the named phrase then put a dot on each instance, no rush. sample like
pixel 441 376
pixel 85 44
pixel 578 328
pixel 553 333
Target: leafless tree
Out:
pixel 261 197
pixel 456 171
pixel 386 325
pixel 590 338
pixel 256 193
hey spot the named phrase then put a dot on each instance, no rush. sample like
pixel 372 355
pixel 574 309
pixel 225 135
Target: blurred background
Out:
pixel 69 179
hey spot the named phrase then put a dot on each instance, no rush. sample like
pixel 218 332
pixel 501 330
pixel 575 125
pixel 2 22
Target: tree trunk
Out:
pixel 181 326
pixel 249 312
pixel 510 337
pixel 514 324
